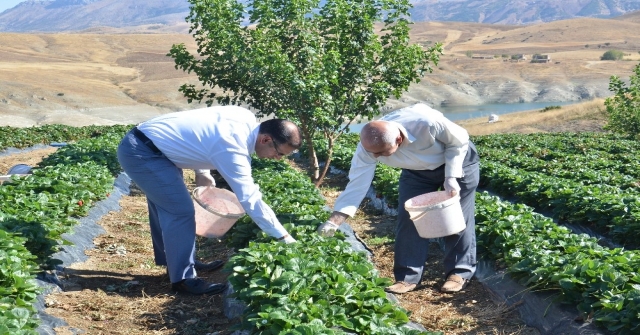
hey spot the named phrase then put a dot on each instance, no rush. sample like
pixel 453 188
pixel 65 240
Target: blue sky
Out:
pixel 6 4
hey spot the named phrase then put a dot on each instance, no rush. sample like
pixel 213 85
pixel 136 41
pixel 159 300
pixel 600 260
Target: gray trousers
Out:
pixel 171 211
pixel 410 252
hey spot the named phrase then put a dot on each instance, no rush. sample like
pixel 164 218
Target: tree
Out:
pixel 612 55
pixel 623 107
pixel 323 66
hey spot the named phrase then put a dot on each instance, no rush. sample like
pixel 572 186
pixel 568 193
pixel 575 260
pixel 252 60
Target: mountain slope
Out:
pixel 518 11
pixel 74 15
pixel 77 15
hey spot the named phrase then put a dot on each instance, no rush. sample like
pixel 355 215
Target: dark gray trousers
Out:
pixel 410 253
pixel 171 211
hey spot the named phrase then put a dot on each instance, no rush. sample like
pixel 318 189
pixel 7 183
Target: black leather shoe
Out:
pixel 215 265
pixel 198 286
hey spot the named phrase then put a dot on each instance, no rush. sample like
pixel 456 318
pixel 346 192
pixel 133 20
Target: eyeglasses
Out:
pixel 275 146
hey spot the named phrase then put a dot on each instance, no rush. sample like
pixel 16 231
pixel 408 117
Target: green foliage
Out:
pixel 548 108
pixel 315 286
pixel 612 55
pixel 582 178
pixel 18 290
pixel 36 210
pixel 320 66
pixel 29 136
pixel 289 193
pixel 469 53
pixel 601 282
pixel 623 107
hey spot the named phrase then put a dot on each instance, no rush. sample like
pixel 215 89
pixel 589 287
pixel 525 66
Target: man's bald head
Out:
pixel 380 138
pixel 376 133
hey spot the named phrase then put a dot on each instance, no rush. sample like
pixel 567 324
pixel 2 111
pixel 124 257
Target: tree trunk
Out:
pixel 314 168
pixel 327 163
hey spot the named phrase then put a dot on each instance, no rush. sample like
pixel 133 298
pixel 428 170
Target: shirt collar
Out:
pixel 407 136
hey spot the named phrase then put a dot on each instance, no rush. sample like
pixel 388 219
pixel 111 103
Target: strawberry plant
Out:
pixel 603 283
pixel 314 286
pixel 37 209
pixel 18 289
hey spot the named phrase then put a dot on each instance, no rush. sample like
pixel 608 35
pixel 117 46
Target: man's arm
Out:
pixel 361 173
pixel 236 170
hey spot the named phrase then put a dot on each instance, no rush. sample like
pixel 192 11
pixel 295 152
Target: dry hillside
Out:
pixel 107 77
pixel 631 17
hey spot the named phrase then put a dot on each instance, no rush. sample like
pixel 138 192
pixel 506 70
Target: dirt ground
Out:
pixel 119 289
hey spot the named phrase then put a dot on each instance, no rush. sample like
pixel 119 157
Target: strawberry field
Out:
pixel 321 286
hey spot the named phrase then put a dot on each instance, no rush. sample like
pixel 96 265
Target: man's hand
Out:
pixel 204 178
pixel 327 229
pixel 451 186
pixel 288 239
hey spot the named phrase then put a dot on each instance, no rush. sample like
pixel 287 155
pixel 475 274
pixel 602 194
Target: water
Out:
pixel 456 113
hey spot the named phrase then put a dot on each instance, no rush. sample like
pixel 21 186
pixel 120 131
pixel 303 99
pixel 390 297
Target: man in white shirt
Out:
pixel 221 138
pixel 433 153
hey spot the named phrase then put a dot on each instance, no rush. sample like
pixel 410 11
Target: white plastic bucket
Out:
pixel 217 210
pixel 436 214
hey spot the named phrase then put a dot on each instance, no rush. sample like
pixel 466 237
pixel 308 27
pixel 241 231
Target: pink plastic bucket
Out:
pixel 217 210
pixel 436 214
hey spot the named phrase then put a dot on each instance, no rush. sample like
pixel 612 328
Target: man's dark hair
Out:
pixel 282 131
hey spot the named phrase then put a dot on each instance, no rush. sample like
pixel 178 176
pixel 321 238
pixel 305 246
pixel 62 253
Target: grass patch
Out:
pixel 380 240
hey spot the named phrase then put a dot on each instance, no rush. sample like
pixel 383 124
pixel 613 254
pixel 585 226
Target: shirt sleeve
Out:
pixel 236 171
pixel 363 168
pixel 456 144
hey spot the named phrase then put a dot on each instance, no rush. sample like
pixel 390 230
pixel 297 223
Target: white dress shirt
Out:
pixel 430 140
pixel 218 138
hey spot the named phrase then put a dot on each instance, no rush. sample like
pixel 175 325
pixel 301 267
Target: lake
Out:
pixel 456 113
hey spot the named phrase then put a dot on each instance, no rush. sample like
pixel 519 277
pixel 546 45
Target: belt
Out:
pixel 144 139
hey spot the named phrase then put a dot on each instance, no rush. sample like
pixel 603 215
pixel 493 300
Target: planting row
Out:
pixel 314 286
pixel 603 283
pixel 609 209
pixel 37 209
pixel 589 169
pixel 588 178
pixel 560 145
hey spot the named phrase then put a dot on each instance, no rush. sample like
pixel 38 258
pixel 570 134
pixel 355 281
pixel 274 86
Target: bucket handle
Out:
pixel 445 204
pixel 419 216
pixel 209 208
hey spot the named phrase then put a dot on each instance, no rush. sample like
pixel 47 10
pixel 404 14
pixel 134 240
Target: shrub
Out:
pixel 548 108
pixel 612 55
pixel 623 107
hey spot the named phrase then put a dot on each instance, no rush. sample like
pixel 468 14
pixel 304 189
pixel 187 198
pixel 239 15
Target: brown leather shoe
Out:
pixel 454 283
pixel 400 287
